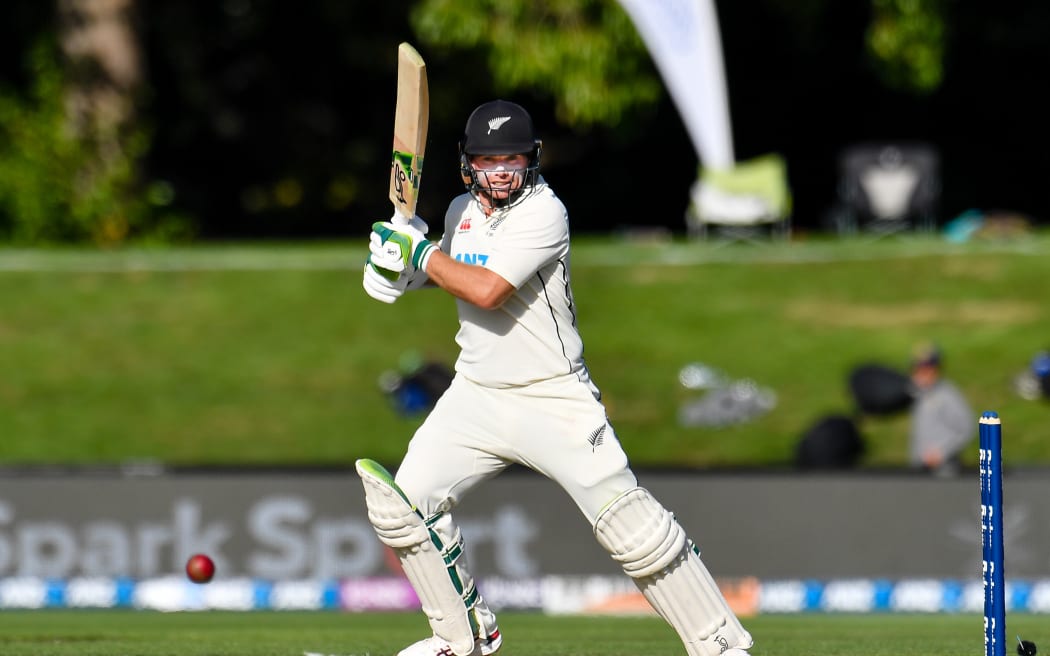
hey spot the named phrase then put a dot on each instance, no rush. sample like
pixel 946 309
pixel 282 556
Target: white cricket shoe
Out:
pixel 491 644
pixel 436 646
pixel 735 652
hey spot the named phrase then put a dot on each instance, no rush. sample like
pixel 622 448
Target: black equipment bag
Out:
pixel 832 442
pixel 880 390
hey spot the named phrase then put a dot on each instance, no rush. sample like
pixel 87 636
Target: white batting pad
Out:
pixel 650 545
pixel 427 563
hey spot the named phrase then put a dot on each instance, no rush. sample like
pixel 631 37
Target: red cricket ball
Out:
pixel 200 568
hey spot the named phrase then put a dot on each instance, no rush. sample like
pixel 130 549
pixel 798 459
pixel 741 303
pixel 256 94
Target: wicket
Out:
pixel 991 472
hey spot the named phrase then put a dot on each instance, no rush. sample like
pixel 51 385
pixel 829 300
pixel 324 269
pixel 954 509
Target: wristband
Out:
pixel 424 249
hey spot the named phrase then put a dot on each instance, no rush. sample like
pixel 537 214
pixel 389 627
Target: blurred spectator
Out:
pixel 942 421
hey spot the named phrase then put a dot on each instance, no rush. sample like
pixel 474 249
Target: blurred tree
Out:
pixel 586 54
pixel 105 73
pixel 71 145
pixel 101 45
pixel 906 39
pixel 271 119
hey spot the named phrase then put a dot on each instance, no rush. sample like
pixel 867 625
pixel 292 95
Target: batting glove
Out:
pixel 402 242
pixel 380 287
pixel 387 258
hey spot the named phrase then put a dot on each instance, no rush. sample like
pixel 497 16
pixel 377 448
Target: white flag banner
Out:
pixel 684 41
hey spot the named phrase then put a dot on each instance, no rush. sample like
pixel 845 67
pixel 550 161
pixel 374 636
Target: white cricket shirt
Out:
pixel 533 335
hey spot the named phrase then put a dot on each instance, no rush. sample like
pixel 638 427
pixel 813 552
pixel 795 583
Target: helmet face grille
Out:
pixel 499 128
pixel 477 188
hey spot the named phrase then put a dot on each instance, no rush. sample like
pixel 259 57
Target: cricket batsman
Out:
pixel 521 394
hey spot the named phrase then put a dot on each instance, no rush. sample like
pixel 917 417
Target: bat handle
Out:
pixel 399 218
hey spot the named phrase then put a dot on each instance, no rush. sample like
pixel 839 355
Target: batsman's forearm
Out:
pixel 474 284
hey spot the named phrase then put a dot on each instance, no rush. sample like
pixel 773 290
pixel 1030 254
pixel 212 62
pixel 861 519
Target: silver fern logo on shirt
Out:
pixel 595 438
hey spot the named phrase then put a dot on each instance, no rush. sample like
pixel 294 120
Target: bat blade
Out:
pixel 411 119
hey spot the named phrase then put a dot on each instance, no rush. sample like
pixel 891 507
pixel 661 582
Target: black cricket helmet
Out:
pixel 499 127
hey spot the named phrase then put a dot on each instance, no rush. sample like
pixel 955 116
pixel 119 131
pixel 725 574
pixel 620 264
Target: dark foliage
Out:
pixel 272 119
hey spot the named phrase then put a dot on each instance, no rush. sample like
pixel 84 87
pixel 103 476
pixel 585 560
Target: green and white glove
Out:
pixel 385 259
pixel 400 249
pixel 387 274
pixel 380 287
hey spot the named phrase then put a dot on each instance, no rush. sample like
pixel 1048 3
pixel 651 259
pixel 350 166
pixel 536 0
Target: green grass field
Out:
pixel 267 354
pixel 137 633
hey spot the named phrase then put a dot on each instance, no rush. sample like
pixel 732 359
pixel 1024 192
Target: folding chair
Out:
pixel 748 202
pixel 888 188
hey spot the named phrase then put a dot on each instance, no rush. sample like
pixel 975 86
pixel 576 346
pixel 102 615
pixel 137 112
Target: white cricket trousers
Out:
pixel 557 428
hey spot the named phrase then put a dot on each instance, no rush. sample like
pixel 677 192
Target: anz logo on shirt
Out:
pixel 472 258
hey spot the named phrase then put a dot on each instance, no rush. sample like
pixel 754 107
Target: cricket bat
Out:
pixel 411 118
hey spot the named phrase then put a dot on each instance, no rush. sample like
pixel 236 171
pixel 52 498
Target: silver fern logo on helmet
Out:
pixel 497 123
